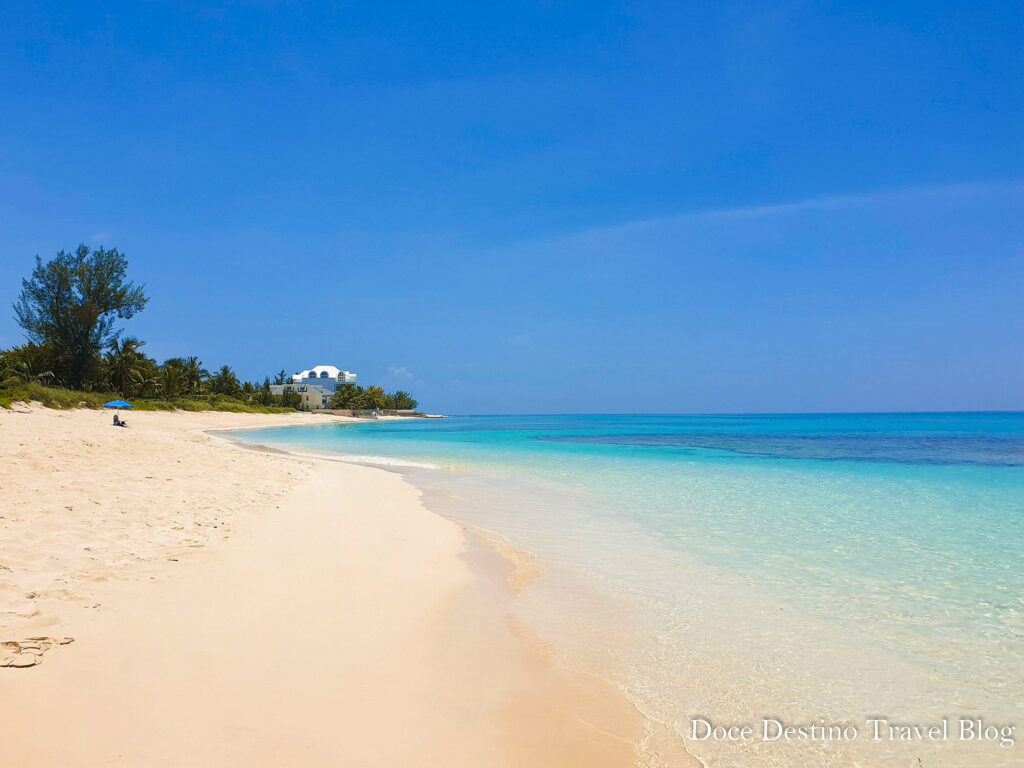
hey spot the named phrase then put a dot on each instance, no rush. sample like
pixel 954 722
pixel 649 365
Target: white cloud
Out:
pixel 399 378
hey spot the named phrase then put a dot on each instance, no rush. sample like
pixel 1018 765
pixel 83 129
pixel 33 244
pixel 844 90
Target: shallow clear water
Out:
pixel 816 566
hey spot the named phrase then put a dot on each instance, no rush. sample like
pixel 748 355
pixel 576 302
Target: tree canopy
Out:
pixel 72 303
pixel 356 398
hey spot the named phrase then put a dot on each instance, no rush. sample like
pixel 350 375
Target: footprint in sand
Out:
pixel 28 653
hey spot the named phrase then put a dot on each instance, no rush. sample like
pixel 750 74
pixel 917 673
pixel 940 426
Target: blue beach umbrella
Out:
pixel 118 404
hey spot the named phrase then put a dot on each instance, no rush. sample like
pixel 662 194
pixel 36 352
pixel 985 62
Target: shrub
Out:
pixel 64 399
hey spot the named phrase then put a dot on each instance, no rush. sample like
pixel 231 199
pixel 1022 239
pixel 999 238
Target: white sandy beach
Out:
pixel 185 602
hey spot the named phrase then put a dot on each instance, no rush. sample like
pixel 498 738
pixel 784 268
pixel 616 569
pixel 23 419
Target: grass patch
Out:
pixel 65 399
pixel 53 397
pixel 10 396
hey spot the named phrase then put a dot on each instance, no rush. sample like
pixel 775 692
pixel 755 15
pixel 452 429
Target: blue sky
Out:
pixel 542 207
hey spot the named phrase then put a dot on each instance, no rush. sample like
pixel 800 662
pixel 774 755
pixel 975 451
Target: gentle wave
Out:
pixel 382 461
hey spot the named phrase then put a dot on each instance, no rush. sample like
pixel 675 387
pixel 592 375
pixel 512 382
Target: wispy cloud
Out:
pixel 399 378
pixel 832 202
pixel 823 203
pixel 99 238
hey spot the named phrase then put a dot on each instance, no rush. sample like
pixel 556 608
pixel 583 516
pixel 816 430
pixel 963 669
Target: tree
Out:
pixel 352 397
pixel 72 303
pixel 374 397
pixel 27 364
pixel 359 399
pixel 172 380
pixel 125 366
pixel 400 401
pixel 281 377
pixel 195 375
pixel 289 400
pixel 225 382
pixel 344 395
pixel 263 394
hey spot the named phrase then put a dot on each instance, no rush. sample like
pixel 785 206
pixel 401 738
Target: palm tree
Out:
pixel 29 364
pixel 195 375
pixel 172 381
pixel 225 382
pixel 125 366
pixel 24 372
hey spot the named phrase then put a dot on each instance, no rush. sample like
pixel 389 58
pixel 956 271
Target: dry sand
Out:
pixel 234 608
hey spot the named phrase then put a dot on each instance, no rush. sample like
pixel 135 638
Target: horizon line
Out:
pixel 747 413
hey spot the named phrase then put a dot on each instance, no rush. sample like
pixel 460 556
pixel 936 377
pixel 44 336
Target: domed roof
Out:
pixel 318 372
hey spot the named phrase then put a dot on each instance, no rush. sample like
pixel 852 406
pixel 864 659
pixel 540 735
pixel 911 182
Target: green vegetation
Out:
pixel 358 398
pixel 60 398
pixel 75 356
pixel 71 303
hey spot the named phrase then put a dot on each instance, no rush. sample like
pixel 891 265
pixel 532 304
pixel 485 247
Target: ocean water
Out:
pixel 810 568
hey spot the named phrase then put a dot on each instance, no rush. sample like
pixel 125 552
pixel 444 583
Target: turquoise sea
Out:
pixel 809 568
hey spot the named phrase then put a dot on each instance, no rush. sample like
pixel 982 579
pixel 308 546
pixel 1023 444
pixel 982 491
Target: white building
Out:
pixel 316 385
pixel 325 376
